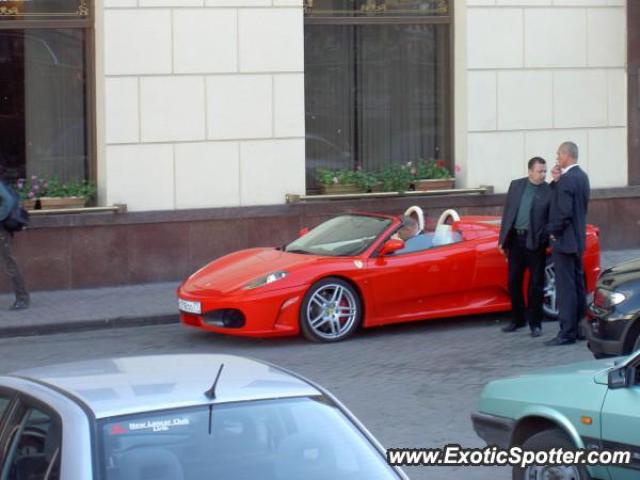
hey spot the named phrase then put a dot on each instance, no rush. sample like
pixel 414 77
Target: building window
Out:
pixel 377 83
pixel 45 107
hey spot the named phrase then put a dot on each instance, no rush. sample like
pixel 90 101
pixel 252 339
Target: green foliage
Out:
pixel 364 180
pixel 393 178
pixel 74 188
pixel 431 169
pixel 36 187
pixel 31 188
pixel 326 176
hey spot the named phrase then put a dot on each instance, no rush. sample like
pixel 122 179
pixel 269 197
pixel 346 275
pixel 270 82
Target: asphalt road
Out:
pixel 413 385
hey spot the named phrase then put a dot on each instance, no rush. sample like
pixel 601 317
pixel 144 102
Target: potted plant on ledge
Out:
pixel 340 181
pixel 47 194
pixel 73 194
pixel 432 175
pixel 30 190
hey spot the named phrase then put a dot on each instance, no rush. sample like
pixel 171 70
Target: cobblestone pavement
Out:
pixel 413 385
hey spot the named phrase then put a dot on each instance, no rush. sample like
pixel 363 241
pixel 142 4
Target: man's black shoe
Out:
pixel 21 304
pixel 558 341
pixel 512 327
pixel 536 332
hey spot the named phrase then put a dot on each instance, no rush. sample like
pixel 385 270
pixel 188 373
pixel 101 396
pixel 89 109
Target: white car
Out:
pixel 179 417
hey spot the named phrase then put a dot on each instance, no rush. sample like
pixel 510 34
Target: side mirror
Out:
pixel 392 245
pixel 303 231
pixel 619 378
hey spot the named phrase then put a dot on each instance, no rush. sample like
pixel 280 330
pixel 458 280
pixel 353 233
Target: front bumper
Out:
pixel 265 314
pixel 492 429
pixel 606 330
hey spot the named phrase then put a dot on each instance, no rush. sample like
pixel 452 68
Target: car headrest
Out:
pixel 305 456
pixel 150 463
pixel 235 432
pixel 443 235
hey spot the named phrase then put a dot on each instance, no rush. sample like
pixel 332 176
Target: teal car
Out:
pixel 590 405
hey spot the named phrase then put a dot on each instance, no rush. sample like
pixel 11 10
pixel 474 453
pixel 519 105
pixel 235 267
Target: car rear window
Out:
pixel 284 439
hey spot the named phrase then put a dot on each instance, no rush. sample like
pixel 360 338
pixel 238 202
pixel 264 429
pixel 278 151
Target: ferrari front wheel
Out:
pixel 331 311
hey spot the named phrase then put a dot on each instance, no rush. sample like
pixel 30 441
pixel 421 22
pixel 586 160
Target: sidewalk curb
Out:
pixel 87 325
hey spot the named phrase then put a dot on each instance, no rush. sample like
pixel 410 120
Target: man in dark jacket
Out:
pixel 524 240
pixel 568 230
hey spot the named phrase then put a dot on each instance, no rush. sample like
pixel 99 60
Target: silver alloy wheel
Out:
pixel 550 303
pixel 331 311
pixel 552 473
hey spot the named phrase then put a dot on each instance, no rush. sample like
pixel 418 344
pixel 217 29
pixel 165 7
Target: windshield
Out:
pixel 341 236
pixel 284 439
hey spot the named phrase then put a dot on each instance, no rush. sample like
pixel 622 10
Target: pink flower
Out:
pixel 458 168
pixel 440 163
pixel 31 195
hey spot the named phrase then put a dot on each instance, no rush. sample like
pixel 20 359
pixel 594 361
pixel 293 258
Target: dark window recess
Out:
pixel 43 103
pixel 377 87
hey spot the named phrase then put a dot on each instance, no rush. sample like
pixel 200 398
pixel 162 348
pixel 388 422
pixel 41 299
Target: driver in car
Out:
pixel 409 229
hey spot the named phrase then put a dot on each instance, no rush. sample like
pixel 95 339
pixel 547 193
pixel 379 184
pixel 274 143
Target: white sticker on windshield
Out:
pixel 159 425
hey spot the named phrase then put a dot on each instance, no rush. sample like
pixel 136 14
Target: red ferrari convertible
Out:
pixel 352 271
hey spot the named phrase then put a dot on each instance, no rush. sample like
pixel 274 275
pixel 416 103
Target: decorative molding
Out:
pixel 83 9
pixel 14 10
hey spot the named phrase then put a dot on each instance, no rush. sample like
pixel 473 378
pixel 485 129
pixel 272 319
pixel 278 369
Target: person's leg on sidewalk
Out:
pixel 581 297
pixel 564 265
pixel 13 271
pixel 517 265
pixel 536 263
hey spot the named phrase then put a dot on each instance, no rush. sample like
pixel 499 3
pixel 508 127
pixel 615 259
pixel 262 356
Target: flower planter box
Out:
pixel 376 188
pixel 434 184
pixel 51 203
pixel 29 204
pixel 340 189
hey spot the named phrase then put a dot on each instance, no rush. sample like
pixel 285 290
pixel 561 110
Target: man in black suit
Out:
pixel 568 230
pixel 524 240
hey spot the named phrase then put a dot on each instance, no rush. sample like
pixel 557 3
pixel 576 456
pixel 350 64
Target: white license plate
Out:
pixel 189 306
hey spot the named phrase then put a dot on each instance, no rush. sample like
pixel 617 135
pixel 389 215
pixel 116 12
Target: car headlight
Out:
pixel 607 299
pixel 267 279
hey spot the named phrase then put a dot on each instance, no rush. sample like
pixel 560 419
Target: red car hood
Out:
pixel 234 271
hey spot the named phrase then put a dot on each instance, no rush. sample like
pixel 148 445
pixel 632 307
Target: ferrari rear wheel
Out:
pixel 331 311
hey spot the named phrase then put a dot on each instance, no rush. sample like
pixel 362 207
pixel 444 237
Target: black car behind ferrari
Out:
pixel 613 317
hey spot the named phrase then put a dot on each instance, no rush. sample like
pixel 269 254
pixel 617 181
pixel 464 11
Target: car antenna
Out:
pixel 211 393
